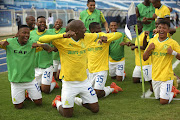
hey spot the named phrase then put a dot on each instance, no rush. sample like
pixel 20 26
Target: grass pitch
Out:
pixel 126 105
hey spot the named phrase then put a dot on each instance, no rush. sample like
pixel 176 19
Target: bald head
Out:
pixel 78 27
pixel 29 17
pixel 75 25
pixel 30 20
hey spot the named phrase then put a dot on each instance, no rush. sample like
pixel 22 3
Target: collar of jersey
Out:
pixel 89 12
pixel 40 33
pixel 161 6
pixel 57 31
pixel 163 40
pixel 75 40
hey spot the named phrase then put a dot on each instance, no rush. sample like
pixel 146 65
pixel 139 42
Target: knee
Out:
pixel 18 106
pixel 136 80
pixel 95 109
pixel 38 102
pixel 119 78
pixel 163 101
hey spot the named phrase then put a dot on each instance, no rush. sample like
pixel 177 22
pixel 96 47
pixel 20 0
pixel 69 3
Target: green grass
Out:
pixel 126 105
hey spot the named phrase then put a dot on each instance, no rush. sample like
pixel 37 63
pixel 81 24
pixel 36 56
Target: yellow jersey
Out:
pixel 73 54
pixel 161 61
pixel 162 12
pixel 137 58
pixel 98 54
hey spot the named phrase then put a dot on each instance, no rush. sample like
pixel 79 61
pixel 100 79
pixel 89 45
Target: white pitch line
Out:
pixel 154 98
pixel 175 64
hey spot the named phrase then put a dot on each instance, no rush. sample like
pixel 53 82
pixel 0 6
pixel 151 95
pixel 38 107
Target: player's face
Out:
pixel 91 6
pixel 97 29
pixel 163 29
pixel 31 22
pixel 113 26
pixel 58 24
pixel 23 35
pixel 155 3
pixel 41 23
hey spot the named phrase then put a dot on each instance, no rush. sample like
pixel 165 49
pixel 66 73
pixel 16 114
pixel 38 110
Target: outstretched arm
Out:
pixel 44 46
pixel 49 38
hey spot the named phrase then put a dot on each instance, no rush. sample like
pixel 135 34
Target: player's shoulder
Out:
pixel 11 39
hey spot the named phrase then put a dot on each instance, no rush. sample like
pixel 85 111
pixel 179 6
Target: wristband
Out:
pixel 174 53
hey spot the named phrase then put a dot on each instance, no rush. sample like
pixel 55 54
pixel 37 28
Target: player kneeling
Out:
pixel 20 62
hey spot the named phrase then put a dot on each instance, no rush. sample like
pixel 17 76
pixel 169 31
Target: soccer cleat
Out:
pixel 175 94
pixel 175 90
pixel 53 80
pixel 58 98
pixel 113 85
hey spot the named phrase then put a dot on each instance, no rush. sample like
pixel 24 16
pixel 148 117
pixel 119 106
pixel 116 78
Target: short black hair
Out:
pixel 164 22
pixel 93 25
pixel 90 1
pixel 40 17
pixel 22 26
pixel 70 20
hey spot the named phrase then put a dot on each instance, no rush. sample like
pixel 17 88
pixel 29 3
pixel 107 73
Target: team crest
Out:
pixel 165 46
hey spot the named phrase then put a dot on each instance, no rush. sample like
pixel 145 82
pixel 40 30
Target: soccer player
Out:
pixel 146 65
pixel 161 11
pixel 144 11
pixel 116 54
pixel 56 59
pixel 44 61
pixel 21 63
pixel 162 50
pixel 92 15
pixel 98 64
pixel 30 20
pixel 72 47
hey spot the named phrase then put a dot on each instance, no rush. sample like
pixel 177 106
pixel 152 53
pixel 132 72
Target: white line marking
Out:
pixel 154 98
pixel 175 64
pixel 2 58
pixel 3 64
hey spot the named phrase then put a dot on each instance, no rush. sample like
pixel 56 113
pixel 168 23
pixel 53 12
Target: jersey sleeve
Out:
pixel 166 13
pixel 113 36
pixel 39 48
pixel 126 39
pixel 102 18
pixel 3 46
pixel 176 47
pixel 49 38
